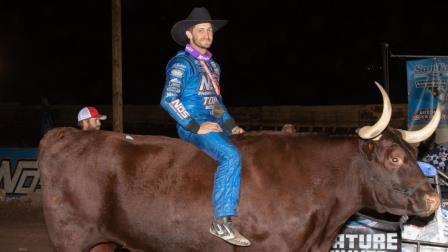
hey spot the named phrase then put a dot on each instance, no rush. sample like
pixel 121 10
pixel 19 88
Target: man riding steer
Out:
pixel 192 97
pixel 152 193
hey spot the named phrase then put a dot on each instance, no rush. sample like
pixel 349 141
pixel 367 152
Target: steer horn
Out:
pixel 425 132
pixel 369 132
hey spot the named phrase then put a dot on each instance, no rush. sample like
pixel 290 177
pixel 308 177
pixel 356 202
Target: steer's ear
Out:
pixel 368 148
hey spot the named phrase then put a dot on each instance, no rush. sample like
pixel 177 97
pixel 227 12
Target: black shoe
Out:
pixel 222 227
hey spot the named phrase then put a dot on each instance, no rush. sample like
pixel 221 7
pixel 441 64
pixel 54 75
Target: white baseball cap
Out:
pixel 90 112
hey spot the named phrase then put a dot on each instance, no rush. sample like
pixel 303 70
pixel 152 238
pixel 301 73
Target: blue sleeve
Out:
pixel 178 72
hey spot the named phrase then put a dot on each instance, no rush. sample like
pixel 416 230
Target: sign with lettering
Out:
pixel 363 234
pixel 427 78
pixel 19 174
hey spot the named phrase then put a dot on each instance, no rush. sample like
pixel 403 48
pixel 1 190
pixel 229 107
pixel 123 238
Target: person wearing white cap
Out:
pixel 289 129
pixel 90 119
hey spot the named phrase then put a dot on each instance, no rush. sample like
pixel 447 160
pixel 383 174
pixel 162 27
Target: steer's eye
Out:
pixel 396 158
pixel 396 161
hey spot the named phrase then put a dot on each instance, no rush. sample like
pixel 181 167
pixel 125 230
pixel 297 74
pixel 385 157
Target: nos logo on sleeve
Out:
pixel 177 106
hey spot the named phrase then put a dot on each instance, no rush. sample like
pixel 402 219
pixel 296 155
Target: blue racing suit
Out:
pixel 191 99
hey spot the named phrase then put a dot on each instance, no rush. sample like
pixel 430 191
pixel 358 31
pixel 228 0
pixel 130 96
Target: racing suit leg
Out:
pixel 226 191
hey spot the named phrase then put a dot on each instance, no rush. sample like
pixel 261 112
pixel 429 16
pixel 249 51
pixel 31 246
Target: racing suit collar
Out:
pixel 193 52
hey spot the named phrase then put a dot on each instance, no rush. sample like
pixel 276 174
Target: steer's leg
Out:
pixel 76 242
pixel 68 227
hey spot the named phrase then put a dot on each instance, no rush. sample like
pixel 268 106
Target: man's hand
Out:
pixel 209 127
pixel 237 130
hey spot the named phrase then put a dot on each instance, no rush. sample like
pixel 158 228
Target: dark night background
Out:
pixel 271 52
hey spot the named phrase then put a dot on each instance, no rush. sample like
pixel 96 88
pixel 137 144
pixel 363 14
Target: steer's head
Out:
pixel 397 185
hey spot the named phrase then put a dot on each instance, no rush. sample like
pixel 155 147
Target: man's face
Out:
pixel 289 129
pixel 201 35
pixel 91 124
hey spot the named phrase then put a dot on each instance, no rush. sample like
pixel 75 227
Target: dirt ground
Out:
pixel 22 225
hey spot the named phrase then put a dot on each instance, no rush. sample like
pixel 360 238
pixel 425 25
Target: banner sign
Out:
pixel 364 234
pixel 427 78
pixel 19 174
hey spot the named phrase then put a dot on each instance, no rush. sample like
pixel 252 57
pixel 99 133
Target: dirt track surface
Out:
pixel 22 226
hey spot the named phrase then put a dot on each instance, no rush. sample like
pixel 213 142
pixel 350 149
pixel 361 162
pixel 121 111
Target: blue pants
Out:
pixel 226 190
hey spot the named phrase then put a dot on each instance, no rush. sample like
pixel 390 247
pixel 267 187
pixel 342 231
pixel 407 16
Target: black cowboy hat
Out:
pixel 197 16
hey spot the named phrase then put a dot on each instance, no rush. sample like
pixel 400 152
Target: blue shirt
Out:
pixel 189 95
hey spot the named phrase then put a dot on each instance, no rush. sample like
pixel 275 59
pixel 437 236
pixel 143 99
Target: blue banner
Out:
pixel 427 78
pixel 19 174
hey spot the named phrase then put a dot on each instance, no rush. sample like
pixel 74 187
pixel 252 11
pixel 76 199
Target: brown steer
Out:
pixel 153 193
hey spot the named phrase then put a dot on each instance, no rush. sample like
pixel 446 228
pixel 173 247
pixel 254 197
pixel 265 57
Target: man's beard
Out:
pixel 91 127
pixel 203 44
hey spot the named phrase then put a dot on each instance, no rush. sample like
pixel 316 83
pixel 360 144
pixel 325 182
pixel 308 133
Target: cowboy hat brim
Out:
pixel 179 28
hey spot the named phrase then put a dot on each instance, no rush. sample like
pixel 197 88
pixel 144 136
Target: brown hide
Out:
pixel 153 193
pixel 103 248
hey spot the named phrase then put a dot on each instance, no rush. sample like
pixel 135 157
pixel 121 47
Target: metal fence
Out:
pixel 425 243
